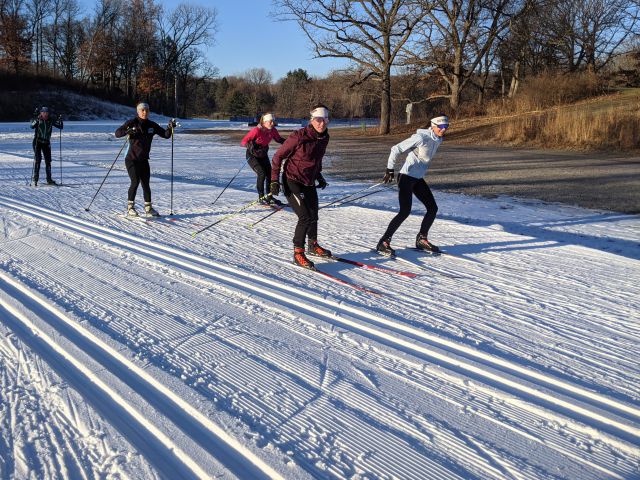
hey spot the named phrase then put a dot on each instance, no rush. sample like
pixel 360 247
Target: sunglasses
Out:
pixel 444 126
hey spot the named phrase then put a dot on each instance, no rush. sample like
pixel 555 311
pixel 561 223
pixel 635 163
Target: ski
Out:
pixel 419 266
pixel 341 281
pixel 369 266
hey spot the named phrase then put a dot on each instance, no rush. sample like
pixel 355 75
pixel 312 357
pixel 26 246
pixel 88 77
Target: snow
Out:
pixel 136 349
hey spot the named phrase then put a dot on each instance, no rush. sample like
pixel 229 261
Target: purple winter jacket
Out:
pixel 303 151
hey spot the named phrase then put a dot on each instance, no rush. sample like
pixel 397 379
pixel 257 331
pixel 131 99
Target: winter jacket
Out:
pixel 43 129
pixel 303 151
pixel 423 145
pixel 140 142
pixel 261 136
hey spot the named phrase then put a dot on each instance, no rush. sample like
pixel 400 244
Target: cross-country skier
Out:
pixel 300 159
pixel 257 143
pixel 43 126
pixel 141 131
pixel 422 145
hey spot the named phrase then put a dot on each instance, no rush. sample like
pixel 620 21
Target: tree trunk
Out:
pixel 385 104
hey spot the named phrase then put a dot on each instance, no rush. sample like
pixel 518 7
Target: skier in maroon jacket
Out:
pixel 257 143
pixel 300 159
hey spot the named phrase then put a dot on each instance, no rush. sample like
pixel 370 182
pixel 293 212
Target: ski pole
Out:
pixel 351 195
pixel 227 186
pixel 60 118
pixel 33 168
pixel 356 198
pixel 110 168
pixel 171 208
pixel 251 225
pixel 232 214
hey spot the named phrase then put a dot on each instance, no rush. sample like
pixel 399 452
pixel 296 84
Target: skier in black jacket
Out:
pixel 141 131
pixel 43 126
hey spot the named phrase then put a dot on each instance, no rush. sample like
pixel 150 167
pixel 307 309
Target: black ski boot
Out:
pixel 51 182
pixel 313 248
pixel 423 244
pixel 300 259
pixel 384 248
pixel 275 201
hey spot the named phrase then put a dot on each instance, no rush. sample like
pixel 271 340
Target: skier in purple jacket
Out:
pixel 300 160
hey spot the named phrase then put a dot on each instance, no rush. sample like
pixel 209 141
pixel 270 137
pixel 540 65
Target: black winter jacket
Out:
pixel 43 129
pixel 140 142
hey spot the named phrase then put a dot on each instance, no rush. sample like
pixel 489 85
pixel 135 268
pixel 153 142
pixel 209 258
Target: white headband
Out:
pixel 267 117
pixel 320 112
pixel 443 120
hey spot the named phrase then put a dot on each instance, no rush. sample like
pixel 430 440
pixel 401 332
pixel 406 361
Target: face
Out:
pixel 319 124
pixel 268 124
pixel 439 130
pixel 44 115
pixel 143 113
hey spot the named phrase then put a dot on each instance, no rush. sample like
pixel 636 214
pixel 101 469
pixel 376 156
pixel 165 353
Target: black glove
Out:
pixel 274 188
pixel 250 149
pixel 172 124
pixel 322 183
pixel 36 112
pixel 388 176
pixel 131 131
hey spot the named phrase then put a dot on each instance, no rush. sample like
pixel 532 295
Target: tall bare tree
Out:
pixel 369 33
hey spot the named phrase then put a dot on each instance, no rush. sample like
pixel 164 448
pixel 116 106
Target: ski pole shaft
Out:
pixel 357 198
pixel 110 168
pixel 33 168
pixel 230 181
pixel 266 216
pixel 171 208
pixel 232 214
pixel 60 156
pixel 352 194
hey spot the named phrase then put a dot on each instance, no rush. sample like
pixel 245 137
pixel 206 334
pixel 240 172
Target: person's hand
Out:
pixel 172 124
pixel 322 183
pixel 274 188
pixel 388 176
pixel 131 131
pixel 36 112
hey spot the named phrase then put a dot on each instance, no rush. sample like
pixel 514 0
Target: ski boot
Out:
pixel 131 209
pixel 300 259
pixel 423 244
pixel 275 201
pixel 314 249
pixel 50 181
pixel 384 248
pixel 149 210
pixel 263 200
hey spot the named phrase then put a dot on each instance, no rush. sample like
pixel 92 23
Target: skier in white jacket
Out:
pixel 422 146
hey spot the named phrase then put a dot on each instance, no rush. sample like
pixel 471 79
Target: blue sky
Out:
pixel 249 38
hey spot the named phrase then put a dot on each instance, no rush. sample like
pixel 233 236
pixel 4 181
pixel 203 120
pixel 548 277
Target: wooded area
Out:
pixel 452 55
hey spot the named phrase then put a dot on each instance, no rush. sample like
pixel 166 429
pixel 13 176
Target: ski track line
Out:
pixel 248 281
pixel 256 468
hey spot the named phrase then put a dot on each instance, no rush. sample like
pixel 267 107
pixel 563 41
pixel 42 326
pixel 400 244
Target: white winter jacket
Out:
pixel 423 145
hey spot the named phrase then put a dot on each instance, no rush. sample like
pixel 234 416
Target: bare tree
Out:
pixel 458 34
pixel 15 42
pixel 369 33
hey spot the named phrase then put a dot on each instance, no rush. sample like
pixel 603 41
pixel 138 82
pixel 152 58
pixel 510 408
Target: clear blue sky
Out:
pixel 249 38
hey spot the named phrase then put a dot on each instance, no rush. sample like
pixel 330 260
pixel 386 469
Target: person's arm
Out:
pixel 250 136
pixel 285 151
pixel 402 147
pixel 276 136
pixel 125 129
pixel 162 132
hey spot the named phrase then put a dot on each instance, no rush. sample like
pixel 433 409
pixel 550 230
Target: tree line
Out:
pixel 432 54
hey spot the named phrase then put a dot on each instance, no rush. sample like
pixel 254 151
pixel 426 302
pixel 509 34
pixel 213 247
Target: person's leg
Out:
pixel 134 180
pixel 260 174
pixel 46 150
pixel 38 159
pixel 405 194
pixel 144 173
pixel 265 164
pixel 297 194
pixel 424 194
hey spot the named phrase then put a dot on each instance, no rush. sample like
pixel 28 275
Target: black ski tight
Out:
pixel 139 173
pixel 407 187
pixel 262 167
pixel 303 200
pixel 40 149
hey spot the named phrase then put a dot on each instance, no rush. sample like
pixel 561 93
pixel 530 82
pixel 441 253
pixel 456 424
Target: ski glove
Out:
pixel 172 124
pixel 322 183
pixel 131 131
pixel 388 176
pixel 274 188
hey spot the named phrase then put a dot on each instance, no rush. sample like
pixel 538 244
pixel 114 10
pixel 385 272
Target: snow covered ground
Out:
pixel 133 349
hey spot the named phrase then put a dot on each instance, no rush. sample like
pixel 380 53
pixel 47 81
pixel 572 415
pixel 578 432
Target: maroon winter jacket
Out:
pixel 302 154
